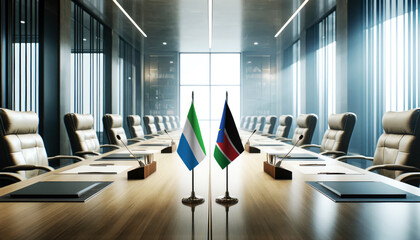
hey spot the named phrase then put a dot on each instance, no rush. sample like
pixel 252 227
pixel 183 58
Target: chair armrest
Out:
pixel 83 153
pixel 343 158
pixel 17 168
pixel 310 145
pixel 10 177
pixel 394 167
pixel 110 146
pixel 336 153
pixel 407 177
pixel 59 157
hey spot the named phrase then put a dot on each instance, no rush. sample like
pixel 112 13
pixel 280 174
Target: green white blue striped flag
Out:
pixel 228 144
pixel 191 146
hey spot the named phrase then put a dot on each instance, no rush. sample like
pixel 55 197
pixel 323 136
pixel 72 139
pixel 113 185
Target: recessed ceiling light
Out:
pixel 171 62
pixel 129 18
pixel 249 62
pixel 164 43
pixel 291 18
pixel 84 39
pixel 22 22
pixel 255 43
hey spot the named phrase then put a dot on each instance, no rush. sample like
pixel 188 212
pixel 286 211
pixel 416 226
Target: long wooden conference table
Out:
pixel 152 208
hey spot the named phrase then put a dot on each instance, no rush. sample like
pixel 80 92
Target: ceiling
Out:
pixel 183 24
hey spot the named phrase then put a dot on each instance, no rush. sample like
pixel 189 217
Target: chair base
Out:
pixel 277 172
pixel 251 149
pixel 142 172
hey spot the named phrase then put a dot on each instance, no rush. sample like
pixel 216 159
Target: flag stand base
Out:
pixel 193 200
pixel 225 200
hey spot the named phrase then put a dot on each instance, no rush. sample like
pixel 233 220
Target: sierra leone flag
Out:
pixel 191 147
pixel 228 144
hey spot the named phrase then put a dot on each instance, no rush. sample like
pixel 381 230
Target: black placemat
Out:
pixel 333 196
pixel 54 191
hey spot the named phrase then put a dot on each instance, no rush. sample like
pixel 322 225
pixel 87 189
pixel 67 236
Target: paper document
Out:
pixel 105 169
pixel 326 170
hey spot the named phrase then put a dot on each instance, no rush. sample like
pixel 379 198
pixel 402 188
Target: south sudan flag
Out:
pixel 228 144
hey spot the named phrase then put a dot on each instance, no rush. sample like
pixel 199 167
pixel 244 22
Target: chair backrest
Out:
pixel 167 123
pixel 285 123
pixel 134 126
pixel 242 122
pixel 400 143
pixel 253 123
pixel 113 126
pixel 270 123
pixel 159 123
pixel 173 122
pixel 178 124
pixel 306 124
pixel 337 137
pixel 247 122
pixel 149 124
pixel 81 134
pixel 260 123
pixel 20 142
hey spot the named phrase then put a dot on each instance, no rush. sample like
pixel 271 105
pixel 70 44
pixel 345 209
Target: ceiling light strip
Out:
pixel 129 18
pixel 291 18
pixel 210 22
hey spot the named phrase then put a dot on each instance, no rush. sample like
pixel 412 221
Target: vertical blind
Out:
pixel 23 55
pixel 87 66
pixel 392 60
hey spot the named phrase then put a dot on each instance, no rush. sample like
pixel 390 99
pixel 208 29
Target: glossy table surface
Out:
pixel 267 208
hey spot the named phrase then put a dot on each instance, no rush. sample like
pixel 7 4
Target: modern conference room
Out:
pixel 209 119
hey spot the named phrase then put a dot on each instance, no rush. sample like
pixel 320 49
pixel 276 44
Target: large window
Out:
pixel 23 55
pixel 325 70
pixel 129 72
pixel 210 76
pixel 87 66
pixel 392 60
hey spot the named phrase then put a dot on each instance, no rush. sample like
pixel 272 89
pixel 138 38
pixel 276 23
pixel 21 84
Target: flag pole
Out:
pixel 227 199
pixel 193 199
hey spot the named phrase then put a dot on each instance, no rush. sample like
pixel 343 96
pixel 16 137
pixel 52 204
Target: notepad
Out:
pixel 54 190
pixel 367 189
pixel 106 169
pixel 297 156
pixel 126 154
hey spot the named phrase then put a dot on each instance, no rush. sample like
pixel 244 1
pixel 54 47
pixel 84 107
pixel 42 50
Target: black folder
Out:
pixel 54 190
pixel 367 189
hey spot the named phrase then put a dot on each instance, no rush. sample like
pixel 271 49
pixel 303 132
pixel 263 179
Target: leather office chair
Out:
pixel 173 122
pixel 253 123
pixel 82 136
pixel 160 126
pixel 337 138
pixel 306 124
pixel 285 123
pixel 149 125
pixel 242 122
pixel 270 123
pixel 398 148
pixel 113 126
pixel 247 122
pixel 167 123
pixel 135 128
pixel 178 124
pixel 260 124
pixel 22 151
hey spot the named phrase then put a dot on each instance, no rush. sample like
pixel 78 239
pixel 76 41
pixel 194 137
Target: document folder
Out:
pixel 367 189
pixel 54 190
